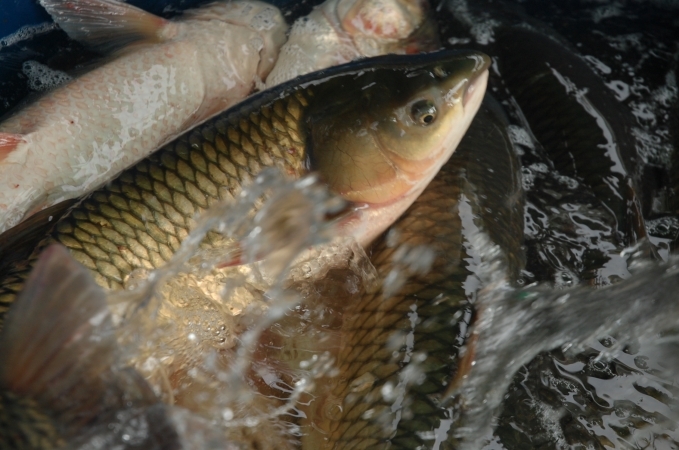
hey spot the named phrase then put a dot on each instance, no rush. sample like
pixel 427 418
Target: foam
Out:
pixel 42 78
pixel 482 29
pixel 26 32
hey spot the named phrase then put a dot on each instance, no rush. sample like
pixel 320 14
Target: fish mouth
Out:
pixel 479 76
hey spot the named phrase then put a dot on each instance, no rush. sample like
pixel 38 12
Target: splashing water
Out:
pixel 515 326
pixel 195 327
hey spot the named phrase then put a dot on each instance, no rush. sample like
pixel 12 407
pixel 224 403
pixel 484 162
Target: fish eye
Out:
pixel 423 112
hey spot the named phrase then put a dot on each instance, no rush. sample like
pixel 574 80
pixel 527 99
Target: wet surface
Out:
pixel 572 234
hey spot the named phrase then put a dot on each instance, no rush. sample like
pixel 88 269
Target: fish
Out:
pixel 577 120
pixel 339 31
pixel 399 348
pixel 62 378
pixel 169 76
pixel 376 131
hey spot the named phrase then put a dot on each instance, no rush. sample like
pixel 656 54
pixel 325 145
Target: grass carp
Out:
pixel 400 352
pixel 576 118
pixel 175 75
pixel 377 131
pixel 340 31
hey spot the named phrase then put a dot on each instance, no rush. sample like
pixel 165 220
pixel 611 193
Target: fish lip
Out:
pixel 479 71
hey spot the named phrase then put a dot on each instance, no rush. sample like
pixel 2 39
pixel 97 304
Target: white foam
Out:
pixel 482 29
pixel 520 136
pixel 605 12
pixel 26 32
pixel 42 78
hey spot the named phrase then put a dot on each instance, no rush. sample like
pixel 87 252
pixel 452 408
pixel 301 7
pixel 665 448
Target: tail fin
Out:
pixel 104 24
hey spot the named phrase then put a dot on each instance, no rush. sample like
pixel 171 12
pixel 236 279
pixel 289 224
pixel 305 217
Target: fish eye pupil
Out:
pixel 423 112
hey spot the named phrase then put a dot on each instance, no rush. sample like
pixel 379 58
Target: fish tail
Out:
pixel 105 24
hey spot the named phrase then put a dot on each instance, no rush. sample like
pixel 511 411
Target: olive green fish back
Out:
pixel 399 354
pixel 139 219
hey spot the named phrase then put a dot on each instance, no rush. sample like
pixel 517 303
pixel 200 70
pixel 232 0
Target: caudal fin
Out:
pixel 104 24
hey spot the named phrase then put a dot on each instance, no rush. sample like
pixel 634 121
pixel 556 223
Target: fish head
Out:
pixel 388 26
pixel 386 138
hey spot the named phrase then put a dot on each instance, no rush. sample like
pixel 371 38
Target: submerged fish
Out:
pixel 570 111
pixel 61 381
pixel 339 31
pixel 178 74
pixel 399 352
pixel 377 131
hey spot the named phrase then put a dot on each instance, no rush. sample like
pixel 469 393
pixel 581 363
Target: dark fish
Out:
pixel 377 131
pixel 581 125
pixel 59 377
pixel 398 354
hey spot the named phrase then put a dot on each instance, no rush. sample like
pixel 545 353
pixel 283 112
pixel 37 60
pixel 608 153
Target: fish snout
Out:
pixel 463 75
pixel 478 79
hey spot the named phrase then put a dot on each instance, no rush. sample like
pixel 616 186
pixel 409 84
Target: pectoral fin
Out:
pixel 104 24
pixel 9 143
pixel 57 339
pixel 58 349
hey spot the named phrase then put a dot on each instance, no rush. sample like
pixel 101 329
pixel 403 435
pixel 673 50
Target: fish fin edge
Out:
pixel 17 243
pixel 106 25
pixel 8 143
pixel 57 344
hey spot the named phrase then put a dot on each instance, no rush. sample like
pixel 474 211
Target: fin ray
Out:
pixel 104 24
pixel 8 143
pixel 58 336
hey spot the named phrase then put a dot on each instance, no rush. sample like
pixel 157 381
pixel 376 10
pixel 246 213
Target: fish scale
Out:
pixel 23 413
pixel 575 117
pixel 139 219
pixel 429 316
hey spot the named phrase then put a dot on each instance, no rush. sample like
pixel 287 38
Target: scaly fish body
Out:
pixel 399 353
pixel 377 131
pixel 339 31
pixel 576 118
pixel 82 134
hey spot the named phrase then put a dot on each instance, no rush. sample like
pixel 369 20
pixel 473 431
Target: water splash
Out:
pixel 515 326
pixel 195 327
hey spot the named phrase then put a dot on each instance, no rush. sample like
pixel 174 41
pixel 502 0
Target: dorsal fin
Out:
pixel 104 24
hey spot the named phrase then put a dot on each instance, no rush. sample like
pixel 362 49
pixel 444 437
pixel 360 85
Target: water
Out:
pixel 239 350
pixel 202 333
pixel 517 326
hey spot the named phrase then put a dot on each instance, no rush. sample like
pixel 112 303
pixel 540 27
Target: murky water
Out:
pixel 240 350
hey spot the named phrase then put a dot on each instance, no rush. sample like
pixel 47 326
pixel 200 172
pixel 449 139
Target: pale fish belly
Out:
pixel 81 135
